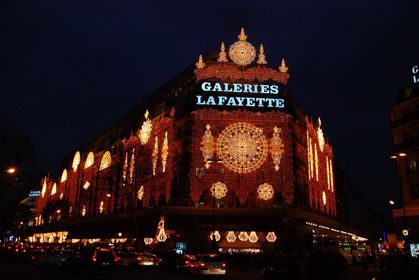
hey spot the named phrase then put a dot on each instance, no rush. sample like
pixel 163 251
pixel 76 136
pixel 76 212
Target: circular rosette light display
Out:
pixel 265 191
pixel 219 190
pixel 242 53
pixel 242 147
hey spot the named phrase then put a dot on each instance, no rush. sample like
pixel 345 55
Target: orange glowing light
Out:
pixel 11 170
pixel 402 154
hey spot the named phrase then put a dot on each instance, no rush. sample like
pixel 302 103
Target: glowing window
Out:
pixel 64 176
pixel 76 161
pixel 90 160
pixel 106 160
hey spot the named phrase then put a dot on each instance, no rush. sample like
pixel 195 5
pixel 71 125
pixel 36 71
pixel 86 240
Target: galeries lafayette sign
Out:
pixel 239 95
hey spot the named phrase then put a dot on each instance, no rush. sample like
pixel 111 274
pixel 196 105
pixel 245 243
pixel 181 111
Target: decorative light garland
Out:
pixel 161 234
pixel 164 152
pixel 253 237
pixel 132 166
pixel 106 161
pixel 125 168
pixel 86 185
pixel 231 237
pixel 243 236
pixel 277 147
pixel 101 207
pixel 61 197
pixel 54 189
pixel 271 237
pixel 207 146
pixel 83 211
pixel 140 193
pixel 146 128
pixel 90 160
pixel 64 176
pixel 265 191
pixel 44 187
pixel 324 198
pixel 76 161
pixel 148 240
pixel 241 52
pixel 219 190
pixel 155 155
pixel 215 235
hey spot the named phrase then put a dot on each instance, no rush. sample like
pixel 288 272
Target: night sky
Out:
pixel 69 69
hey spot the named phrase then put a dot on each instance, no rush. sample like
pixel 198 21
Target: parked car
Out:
pixel 104 257
pixel 185 262
pixel 147 259
pixel 284 267
pixel 127 258
pixel 54 258
pixel 209 264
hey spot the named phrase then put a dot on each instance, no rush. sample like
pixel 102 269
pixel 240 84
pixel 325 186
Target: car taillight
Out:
pixel 116 258
pixel 140 258
pixel 33 257
pixel 187 262
pixel 202 264
pixel 94 257
pixel 223 264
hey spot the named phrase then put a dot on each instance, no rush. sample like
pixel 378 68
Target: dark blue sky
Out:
pixel 71 68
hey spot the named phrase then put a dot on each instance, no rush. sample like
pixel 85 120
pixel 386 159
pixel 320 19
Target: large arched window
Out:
pixel 106 160
pixel 90 160
pixel 76 161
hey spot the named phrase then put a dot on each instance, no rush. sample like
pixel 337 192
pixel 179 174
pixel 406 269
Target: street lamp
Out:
pixel 11 170
pixel 391 202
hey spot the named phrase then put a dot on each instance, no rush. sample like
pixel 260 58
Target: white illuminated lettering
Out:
pixel 260 101
pixel 231 101
pixel 227 88
pixel 415 69
pixel 199 100
pixel 211 101
pixel 237 87
pixel 206 86
pixel 247 88
pixel 240 101
pixel 264 89
pixel 221 100
pixel 274 89
pixel 250 101
pixel 279 103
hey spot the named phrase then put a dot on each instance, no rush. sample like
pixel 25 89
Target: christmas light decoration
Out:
pixel 215 235
pixel 253 237
pixel 148 240
pixel 316 162
pixel 324 198
pixel 200 64
pixel 64 176
pixel 86 185
pixel 207 146
pixel 140 193
pixel 54 189
pixel 231 237
pixel 61 197
pixel 125 168
pixel 265 191
pixel 271 237
pixel 44 187
pixel 222 56
pixel 106 161
pixel 146 128
pixel 90 160
pixel 155 155
pixel 277 147
pixel 219 190
pixel 243 236
pixel 132 166
pixel 283 68
pixel 328 173
pixel 242 147
pixel 261 57
pixel 241 52
pixel 76 161
pixel 332 182
pixel 164 152
pixel 101 207
pixel 161 234
pixel 320 135
pixel 83 211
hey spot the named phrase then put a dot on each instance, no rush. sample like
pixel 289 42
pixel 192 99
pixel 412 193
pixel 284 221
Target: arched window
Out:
pixel 64 176
pixel 106 160
pixel 90 160
pixel 76 161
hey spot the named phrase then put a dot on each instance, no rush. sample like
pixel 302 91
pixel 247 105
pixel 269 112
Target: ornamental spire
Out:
pixel 261 57
pixel 200 64
pixel 242 36
pixel 283 68
pixel 222 56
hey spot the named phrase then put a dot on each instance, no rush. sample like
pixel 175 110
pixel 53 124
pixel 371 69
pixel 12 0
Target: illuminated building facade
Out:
pixel 405 128
pixel 220 153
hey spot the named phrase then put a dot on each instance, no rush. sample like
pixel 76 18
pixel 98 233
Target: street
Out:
pixel 17 272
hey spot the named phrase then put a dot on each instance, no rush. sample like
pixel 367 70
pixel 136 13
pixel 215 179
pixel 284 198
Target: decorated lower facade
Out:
pixel 219 154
